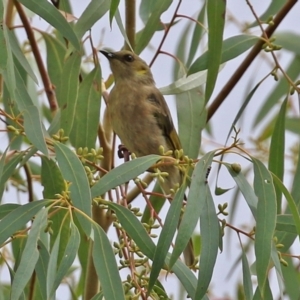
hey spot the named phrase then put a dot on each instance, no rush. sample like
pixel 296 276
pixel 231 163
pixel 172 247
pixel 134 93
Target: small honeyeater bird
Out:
pixel 140 116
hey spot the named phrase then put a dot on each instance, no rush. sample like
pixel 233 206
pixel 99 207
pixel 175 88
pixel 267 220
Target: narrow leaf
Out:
pixel 87 111
pixel 73 171
pixel 151 26
pixel 134 228
pixel 291 202
pixel 166 236
pixel 7 169
pixel 55 57
pixel 34 128
pixel 19 55
pixel 29 257
pixel 68 257
pixel 41 268
pixel 276 155
pixel 216 10
pixel 18 218
pixel 247 283
pixel 195 204
pixel 123 173
pixel 266 221
pixel 184 84
pixel 94 12
pixel 113 9
pixel 50 14
pixel 209 227
pixel 67 91
pixel 106 266
pixel 51 178
pixel 231 48
pixel 192 118
pixel 245 189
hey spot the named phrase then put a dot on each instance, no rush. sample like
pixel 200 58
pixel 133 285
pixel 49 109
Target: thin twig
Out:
pixel 35 50
pixel 249 59
pixel 166 33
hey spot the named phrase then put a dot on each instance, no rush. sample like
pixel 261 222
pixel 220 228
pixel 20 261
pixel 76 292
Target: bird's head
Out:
pixel 127 65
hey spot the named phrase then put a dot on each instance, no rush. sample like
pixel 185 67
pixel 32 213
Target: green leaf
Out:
pixel 67 91
pixel 266 221
pixel 210 232
pixel 291 202
pixel 55 58
pixel 122 29
pixel 87 111
pixel 18 218
pixel 274 7
pixel 195 203
pixel 247 282
pixel 114 4
pixel 216 10
pixel 19 55
pixel 34 128
pixel 245 189
pixel 41 268
pixel 134 228
pixel 123 173
pixel 277 264
pixel 166 236
pixel 138 233
pixel 52 265
pixel 292 124
pixel 23 99
pixel 291 279
pixel 68 257
pixel 231 48
pixel 288 41
pixel 185 84
pixel 286 223
pixel 73 171
pixel 7 66
pixel 51 178
pixel 7 169
pixel 192 116
pixel 29 257
pixel 151 26
pixel 106 266
pixel 276 154
pixel 186 277
pixel 7 208
pixel 50 14
pixel 94 12
pixel 197 35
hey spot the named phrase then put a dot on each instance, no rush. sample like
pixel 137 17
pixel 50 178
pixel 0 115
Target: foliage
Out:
pixel 52 94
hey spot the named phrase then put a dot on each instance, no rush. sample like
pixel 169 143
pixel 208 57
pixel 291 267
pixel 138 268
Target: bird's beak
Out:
pixel 108 55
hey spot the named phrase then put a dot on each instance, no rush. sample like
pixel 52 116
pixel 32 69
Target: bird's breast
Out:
pixel 132 119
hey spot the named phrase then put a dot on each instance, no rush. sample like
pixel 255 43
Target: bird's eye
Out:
pixel 128 58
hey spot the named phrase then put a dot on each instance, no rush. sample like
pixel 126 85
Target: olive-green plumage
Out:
pixel 138 112
pixel 140 116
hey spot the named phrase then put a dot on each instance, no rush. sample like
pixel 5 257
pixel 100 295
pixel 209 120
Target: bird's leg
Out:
pixel 123 152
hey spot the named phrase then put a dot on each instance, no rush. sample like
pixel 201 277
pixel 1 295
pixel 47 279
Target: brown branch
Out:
pixel 35 50
pixel 249 59
pixel 166 33
pixel 130 8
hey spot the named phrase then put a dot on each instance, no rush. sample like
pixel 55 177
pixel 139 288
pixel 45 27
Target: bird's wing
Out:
pixel 164 120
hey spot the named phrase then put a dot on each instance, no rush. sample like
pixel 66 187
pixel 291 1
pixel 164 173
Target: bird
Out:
pixel 140 116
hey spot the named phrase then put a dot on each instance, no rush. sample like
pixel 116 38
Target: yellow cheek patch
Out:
pixel 142 71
